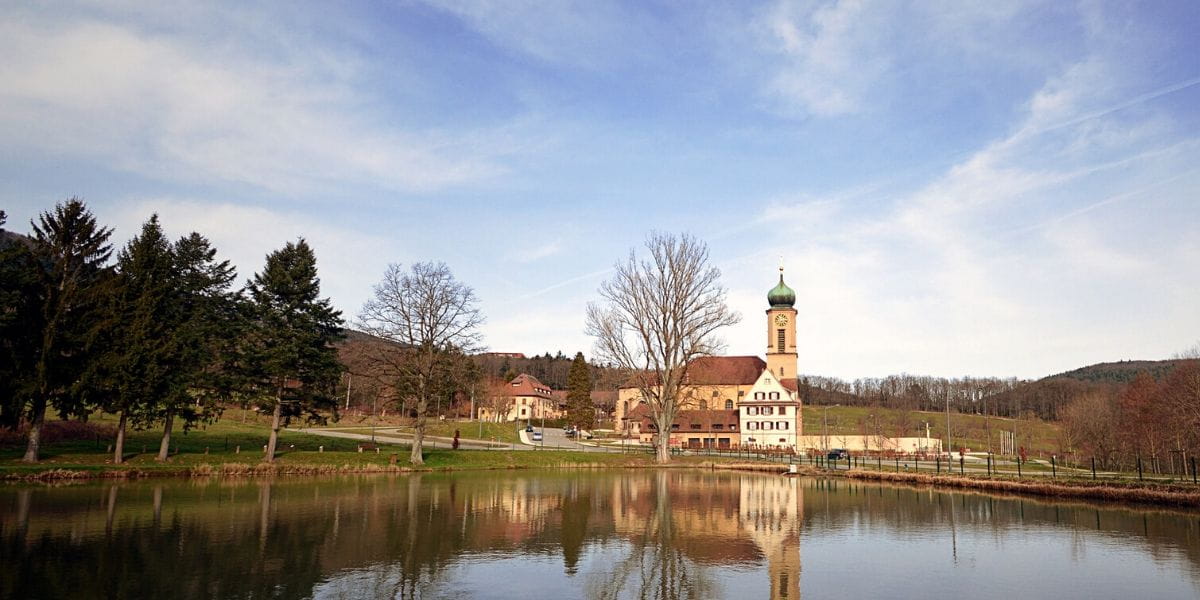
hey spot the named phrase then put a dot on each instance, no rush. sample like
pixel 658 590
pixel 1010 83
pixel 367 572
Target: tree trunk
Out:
pixel 415 456
pixel 271 443
pixel 663 452
pixel 165 446
pixel 34 445
pixel 119 451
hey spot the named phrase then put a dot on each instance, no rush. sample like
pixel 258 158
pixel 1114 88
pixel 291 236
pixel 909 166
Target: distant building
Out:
pixel 522 398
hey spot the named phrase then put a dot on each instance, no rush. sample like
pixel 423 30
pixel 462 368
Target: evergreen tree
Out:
pixel 141 368
pixel 580 411
pixel 206 326
pixel 70 252
pixel 19 336
pixel 289 354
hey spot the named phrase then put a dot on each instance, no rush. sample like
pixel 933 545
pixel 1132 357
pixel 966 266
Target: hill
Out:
pixel 1120 372
pixel 1047 396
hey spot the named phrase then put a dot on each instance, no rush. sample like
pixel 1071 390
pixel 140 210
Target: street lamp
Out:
pixel 825 415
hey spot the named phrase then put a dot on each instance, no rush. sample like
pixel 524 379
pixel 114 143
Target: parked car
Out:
pixel 529 429
pixel 838 454
pixel 570 431
pixel 537 436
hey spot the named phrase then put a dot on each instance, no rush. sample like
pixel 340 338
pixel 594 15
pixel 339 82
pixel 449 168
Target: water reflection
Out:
pixel 612 534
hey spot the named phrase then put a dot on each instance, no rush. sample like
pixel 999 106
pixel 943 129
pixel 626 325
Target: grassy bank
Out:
pixel 1119 491
pixel 331 462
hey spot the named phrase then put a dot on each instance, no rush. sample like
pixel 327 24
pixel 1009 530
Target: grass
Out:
pixel 505 433
pixel 1039 437
pixel 233 447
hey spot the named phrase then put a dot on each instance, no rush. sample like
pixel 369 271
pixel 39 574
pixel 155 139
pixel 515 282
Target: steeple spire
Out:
pixel 781 296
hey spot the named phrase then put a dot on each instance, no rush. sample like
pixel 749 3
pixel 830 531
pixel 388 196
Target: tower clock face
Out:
pixel 781 320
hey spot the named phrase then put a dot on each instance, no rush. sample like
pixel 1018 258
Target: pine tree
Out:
pixel 141 368
pixel 206 327
pixel 580 411
pixel 19 335
pixel 71 253
pixel 289 355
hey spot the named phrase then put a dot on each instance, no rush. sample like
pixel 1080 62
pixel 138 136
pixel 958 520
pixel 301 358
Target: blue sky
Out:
pixel 955 188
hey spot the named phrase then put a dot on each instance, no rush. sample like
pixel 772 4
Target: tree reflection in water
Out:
pixel 663 534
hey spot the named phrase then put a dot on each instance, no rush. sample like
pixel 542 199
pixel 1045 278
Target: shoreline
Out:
pixel 1143 494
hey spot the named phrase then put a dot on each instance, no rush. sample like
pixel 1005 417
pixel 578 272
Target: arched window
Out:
pixel 704 405
pixel 729 405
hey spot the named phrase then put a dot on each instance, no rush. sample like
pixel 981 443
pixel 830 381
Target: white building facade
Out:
pixel 769 417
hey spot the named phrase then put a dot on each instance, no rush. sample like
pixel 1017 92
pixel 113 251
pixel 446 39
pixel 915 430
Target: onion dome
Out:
pixel 781 296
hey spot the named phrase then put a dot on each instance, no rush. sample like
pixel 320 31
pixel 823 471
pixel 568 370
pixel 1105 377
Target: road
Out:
pixel 553 438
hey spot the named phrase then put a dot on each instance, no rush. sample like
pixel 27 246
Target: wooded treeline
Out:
pixel 993 396
pixel 158 337
pixel 551 369
pixel 1154 422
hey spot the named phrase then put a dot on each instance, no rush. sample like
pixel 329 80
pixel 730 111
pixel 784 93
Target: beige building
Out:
pixel 521 399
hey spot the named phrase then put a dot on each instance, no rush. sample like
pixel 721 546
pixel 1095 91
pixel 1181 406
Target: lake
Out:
pixel 579 534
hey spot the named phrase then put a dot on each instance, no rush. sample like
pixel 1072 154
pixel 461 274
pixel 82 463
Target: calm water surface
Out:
pixel 607 534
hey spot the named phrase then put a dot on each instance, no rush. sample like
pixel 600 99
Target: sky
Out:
pixel 953 188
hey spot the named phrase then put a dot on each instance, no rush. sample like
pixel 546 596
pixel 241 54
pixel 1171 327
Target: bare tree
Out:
pixel 657 316
pixel 432 320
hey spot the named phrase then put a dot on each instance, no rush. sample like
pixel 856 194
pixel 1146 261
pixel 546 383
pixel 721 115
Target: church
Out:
pixel 734 401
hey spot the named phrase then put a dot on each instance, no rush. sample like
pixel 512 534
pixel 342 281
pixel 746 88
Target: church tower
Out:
pixel 781 331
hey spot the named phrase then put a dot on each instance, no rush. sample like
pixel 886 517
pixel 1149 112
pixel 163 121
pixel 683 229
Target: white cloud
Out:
pixel 577 33
pixel 168 107
pixel 832 54
pixel 1009 263
pixel 347 260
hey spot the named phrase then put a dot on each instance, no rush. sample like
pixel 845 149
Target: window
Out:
pixel 782 440
pixel 768 425
pixel 715 393
pixel 774 395
pixel 752 425
pixel 674 425
pixel 718 426
pixel 780 336
pixel 758 395
pixel 783 410
pixel 782 425
pixel 767 410
pixel 704 405
pixel 741 393
pixel 729 405
pixel 752 410
pixel 732 426
pixel 695 426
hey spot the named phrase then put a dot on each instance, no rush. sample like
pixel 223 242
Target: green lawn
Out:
pixel 1041 438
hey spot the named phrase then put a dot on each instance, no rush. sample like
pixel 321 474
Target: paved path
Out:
pixel 552 438
pixel 385 435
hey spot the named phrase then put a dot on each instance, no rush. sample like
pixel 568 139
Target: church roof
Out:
pixel 716 370
pixel 725 370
